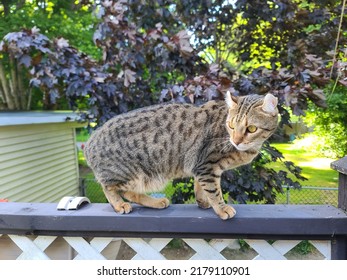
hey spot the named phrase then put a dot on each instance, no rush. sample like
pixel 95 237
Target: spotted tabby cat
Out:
pixel 138 152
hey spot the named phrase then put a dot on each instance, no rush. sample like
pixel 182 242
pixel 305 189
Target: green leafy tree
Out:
pixel 72 20
pixel 330 124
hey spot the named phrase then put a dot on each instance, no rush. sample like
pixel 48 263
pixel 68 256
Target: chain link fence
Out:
pixel 306 195
pixel 92 189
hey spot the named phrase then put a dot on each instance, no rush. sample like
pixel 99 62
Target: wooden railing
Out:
pixel 33 227
pixel 95 231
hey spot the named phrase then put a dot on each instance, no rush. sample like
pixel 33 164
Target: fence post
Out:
pixel 339 246
pixel 288 195
pixel 82 187
pixel 341 167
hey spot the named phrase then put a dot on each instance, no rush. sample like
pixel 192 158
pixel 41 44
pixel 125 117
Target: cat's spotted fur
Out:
pixel 138 152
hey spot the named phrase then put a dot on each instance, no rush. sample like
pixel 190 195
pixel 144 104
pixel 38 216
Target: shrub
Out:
pixel 330 124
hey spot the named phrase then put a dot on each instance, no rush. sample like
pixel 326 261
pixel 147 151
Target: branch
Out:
pixel 14 92
pixel 20 4
pixel 2 95
pixel 338 37
pixel 30 94
pixel 22 93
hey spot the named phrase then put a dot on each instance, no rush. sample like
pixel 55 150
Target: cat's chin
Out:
pixel 241 147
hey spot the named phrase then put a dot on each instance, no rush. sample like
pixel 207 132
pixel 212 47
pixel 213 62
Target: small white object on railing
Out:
pixel 72 202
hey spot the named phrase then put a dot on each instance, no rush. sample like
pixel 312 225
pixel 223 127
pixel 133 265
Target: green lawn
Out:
pixel 318 172
pixel 314 167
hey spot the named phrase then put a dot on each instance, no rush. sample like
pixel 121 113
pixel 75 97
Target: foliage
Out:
pixel 184 190
pixel 48 16
pixel 330 124
pixel 304 247
pixel 257 183
pixel 144 55
pixel 148 59
pixel 253 182
pixel 281 35
pixel 72 20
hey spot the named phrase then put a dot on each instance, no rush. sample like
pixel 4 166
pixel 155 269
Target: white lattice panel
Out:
pixel 206 250
pixel 32 250
pixel 93 248
pixel 147 250
pixel 279 248
pixel 324 247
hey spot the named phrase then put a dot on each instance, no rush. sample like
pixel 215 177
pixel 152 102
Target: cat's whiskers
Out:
pixel 226 147
pixel 217 138
pixel 223 143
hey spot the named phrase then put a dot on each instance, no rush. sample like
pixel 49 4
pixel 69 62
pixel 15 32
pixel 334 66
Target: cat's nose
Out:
pixel 237 139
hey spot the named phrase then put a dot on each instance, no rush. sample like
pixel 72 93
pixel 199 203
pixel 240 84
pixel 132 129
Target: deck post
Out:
pixel 341 167
pixel 339 248
pixel 339 245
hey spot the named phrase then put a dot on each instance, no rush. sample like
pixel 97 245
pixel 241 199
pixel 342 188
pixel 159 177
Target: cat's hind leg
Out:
pixel 117 202
pixel 146 200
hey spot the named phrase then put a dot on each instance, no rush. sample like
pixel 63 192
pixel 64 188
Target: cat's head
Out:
pixel 251 120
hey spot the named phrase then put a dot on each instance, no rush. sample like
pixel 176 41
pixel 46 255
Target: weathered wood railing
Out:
pixel 92 228
pixel 95 230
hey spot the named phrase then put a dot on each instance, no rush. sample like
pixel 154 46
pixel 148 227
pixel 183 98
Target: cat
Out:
pixel 140 151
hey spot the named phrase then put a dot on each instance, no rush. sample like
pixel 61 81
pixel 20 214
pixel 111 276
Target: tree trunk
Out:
pixel 13 95
pixel 14 83
pixel 7 98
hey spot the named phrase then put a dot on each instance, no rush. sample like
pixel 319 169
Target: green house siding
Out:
pixel 38 162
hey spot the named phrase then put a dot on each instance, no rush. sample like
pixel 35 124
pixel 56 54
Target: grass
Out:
pixel 82 135
pixel 317 171
pixel 314 167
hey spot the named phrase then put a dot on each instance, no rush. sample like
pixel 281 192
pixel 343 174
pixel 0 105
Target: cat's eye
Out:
pixel 231 125
pixel 252 128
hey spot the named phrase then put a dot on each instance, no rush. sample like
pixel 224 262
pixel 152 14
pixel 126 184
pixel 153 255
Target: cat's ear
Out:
pixel 270 104
pixel 230 100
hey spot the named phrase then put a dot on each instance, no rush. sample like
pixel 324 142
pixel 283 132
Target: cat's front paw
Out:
pixel 123 208
pixel 226 212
